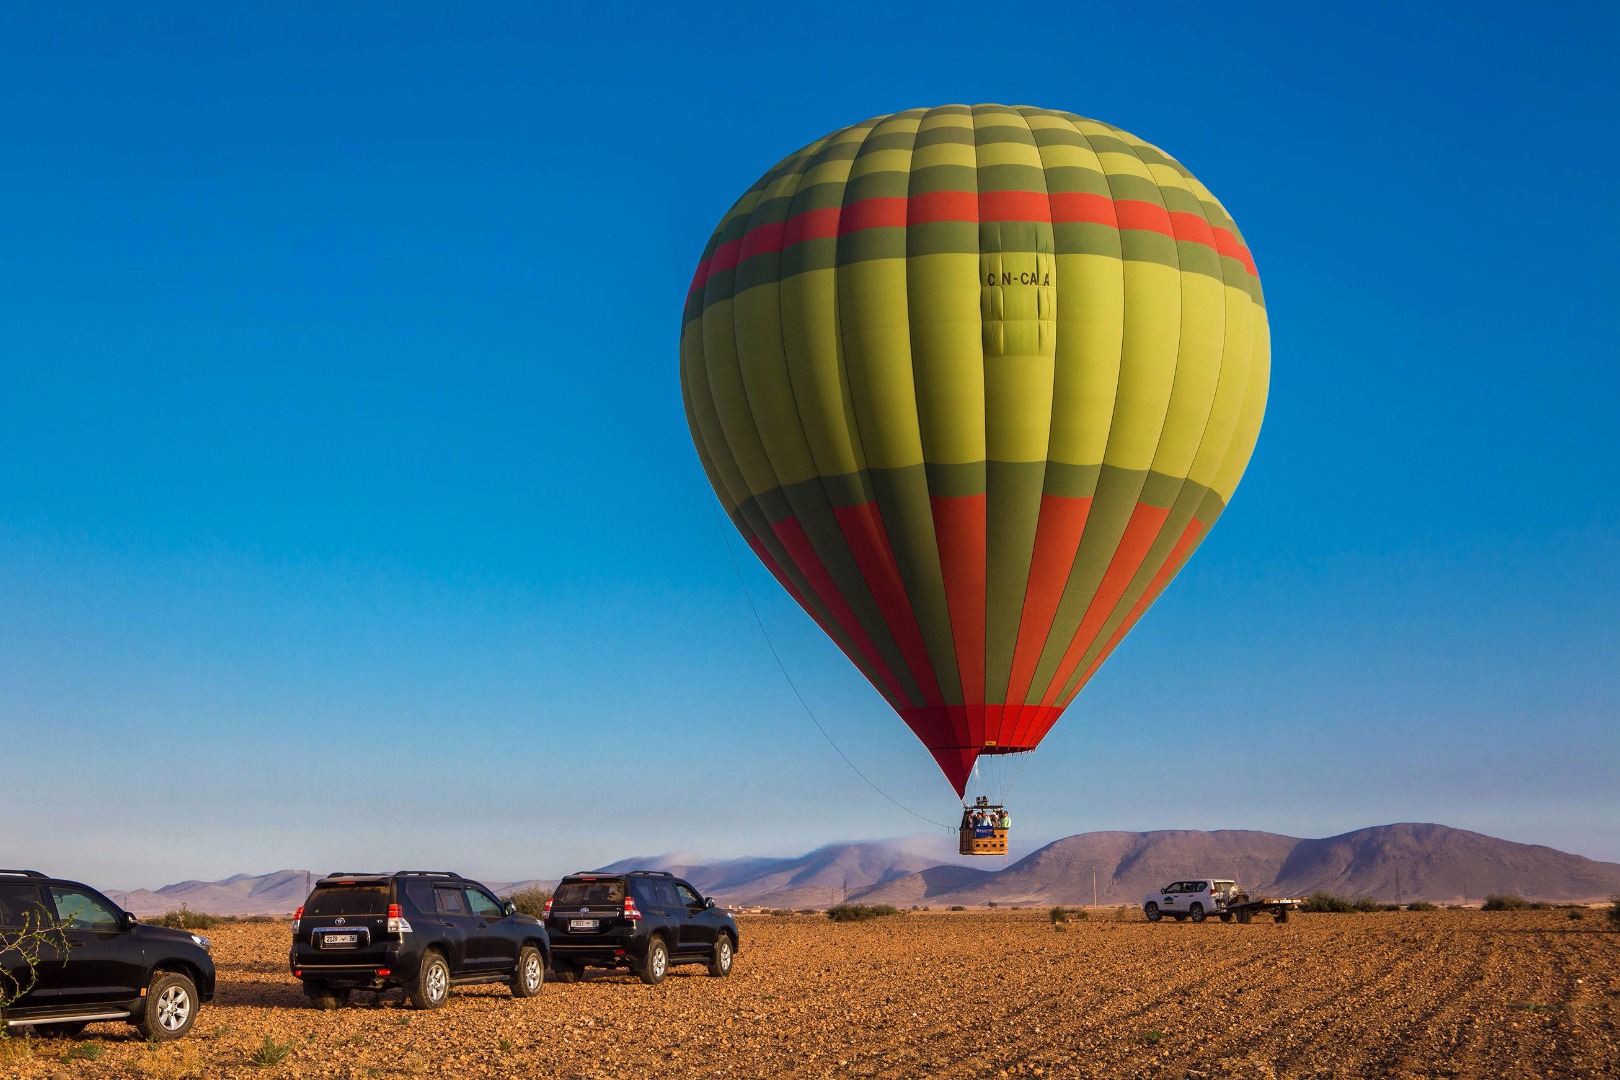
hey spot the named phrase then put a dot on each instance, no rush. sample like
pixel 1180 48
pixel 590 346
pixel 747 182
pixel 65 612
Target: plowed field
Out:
pixel 1449 993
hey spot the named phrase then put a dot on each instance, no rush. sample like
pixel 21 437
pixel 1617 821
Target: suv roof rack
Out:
pixel 26 873
pixel 430 873
pixel 617 873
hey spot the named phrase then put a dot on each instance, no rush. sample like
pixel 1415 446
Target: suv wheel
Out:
pixel 720 959
pixel 655 965
pixel 432 986
pixel 565 972
pixel 322 996
pixel 1197 912
pixel 168 1009
pixel 530 974
pixel 1151 910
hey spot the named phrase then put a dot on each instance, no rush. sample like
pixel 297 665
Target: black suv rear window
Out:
pixel 347 900
pixel 587 893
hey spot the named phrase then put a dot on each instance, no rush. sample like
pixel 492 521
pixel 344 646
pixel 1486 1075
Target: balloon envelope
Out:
pixel 974 382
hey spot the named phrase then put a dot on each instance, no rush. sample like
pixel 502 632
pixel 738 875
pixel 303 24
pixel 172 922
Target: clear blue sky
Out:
pixel 348 513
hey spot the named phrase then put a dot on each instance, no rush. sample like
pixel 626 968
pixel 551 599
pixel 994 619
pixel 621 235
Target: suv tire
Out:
pixel 1197 912
pixel 530 974
pixel 431 987
pixel 1151 910
pixel 655 965
pixel 720 959
pixel 168 1009
pixel 565 972
pixel 325 997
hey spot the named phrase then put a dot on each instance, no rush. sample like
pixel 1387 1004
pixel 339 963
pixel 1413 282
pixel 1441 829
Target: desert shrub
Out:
pixel 255 918
pixel 780 912
pixel 186 919
pixel 958 907
pixel 1614 913
pixel 807 911
pixel 1124 913
pixel 1324 901
pixel 1061 915
pixel 1389 907
pixel 1364 904
pixel 530 901
pixel 269 1052
pixel 1421 905
pixel 1498 902
pixel 860 912
pixel 992 903
pixel 1577 913
pixel 85 1051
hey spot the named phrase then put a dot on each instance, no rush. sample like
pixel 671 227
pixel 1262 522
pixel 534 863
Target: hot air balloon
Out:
pixel 974 382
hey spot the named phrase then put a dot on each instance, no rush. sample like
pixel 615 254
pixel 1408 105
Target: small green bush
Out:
pixel 1361 905
pixel 807 911
pixel 1614 913
pixel 860 912
pixel 269 1052
pixel 1576 913
pixel 85 1051
pixel 186 919
pixel 958 907
pixel 530 901
pixel 1498 902
pixel 1422 905
pixel 1324 901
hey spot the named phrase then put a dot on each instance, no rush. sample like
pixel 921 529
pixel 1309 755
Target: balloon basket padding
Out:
pixel 981 841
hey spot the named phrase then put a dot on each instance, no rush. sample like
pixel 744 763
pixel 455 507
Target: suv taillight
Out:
pixel 299 914
pixel 630 910
pixel 397 923
pixel 548 907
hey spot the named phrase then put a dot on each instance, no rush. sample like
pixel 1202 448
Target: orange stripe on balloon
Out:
pixel 1058 529
pixel 1140 531
pixel 1178 555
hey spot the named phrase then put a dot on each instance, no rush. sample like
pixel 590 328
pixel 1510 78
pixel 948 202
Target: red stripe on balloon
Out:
pixel 793 539
pixel 959 529
pixel 869 544
pixel 1058 529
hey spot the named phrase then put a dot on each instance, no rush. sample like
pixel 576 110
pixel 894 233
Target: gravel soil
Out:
pixel 971 994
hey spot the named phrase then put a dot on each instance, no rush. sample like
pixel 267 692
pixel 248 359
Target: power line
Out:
pixel 760 622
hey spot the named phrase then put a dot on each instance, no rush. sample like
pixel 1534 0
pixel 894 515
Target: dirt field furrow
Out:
pixel 957 996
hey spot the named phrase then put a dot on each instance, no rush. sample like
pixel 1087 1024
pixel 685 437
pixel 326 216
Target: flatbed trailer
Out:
pixel 1277 907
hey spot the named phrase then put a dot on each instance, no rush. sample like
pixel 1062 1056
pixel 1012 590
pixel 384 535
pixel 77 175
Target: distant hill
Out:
pixel 1389 863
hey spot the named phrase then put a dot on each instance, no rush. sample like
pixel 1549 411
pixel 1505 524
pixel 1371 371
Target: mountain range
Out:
pixel 1398 863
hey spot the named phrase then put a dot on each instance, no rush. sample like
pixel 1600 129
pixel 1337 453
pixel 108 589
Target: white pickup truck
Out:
pixel 1199 898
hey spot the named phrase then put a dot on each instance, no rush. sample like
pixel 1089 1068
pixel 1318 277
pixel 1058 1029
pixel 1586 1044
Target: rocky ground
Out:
pixel 935 994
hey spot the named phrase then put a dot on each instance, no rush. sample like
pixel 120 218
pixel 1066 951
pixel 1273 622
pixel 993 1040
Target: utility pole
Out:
pixel 1093 886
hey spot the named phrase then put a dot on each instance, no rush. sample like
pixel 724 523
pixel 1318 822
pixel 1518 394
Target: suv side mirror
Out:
pixel 509 907
pixel 130 920
pixel 709 903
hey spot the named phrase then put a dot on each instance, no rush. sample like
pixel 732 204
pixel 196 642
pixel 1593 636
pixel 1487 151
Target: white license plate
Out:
pixel 584 924
pixel 331 940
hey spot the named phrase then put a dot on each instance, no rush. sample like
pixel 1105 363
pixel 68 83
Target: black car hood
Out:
pixel 149 932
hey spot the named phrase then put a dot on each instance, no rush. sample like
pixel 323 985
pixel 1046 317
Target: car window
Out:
pixel 19 904
pixel 81 911
pixel 689 897
pixel 347 900
pixel 451 900
pixel 420 894
pixel 484 904
pixel 588 893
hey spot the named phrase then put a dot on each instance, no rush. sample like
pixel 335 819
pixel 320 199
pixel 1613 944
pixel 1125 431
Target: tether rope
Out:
pixel 766 634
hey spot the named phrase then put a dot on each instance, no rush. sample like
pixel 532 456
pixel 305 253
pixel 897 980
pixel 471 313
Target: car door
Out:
pixel 105 961
pixel 22 908
pixel 698 927
pixel 455 925
pixel 493 944
pixel 1170 898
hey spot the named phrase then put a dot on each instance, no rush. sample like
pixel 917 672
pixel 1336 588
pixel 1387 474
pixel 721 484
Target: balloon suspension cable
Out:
pixel 766 634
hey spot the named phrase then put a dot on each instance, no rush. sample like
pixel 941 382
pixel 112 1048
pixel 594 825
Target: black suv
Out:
pixel 644 920
pixel 114 967
pixel 421 930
